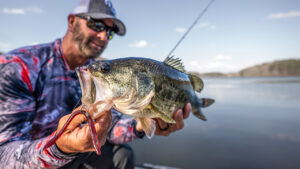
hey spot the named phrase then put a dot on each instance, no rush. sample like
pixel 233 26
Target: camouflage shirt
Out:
pixel 37 88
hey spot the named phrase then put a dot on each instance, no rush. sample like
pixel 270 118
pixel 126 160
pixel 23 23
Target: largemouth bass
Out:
pixel 141 87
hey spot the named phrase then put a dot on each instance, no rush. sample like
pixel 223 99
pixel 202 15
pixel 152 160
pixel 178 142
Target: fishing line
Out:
pixel 193 24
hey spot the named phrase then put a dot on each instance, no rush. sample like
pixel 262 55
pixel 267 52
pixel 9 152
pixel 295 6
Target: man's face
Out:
pixel 90 43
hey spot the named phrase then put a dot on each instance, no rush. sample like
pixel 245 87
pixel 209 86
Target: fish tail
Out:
pixel 205 102
pixel 202 102
pixel 199 114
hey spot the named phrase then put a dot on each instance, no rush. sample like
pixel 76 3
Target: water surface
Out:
pixel 254 123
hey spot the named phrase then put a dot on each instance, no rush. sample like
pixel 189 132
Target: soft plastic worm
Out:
pixel 91 124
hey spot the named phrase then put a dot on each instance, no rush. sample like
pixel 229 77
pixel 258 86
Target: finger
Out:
pixel 179 121
pixel 178 115
pixel 77 121
pixel 73 123
pixel 104 121
pixel 102 125
pixel 161 124
pixel 186 111
pixel 89 137
pixel 158 131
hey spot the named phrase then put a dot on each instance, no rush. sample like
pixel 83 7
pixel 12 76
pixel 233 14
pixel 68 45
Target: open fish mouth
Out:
pixel 84 78
pixel 94 90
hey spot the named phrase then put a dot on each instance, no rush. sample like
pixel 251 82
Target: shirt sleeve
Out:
pixel 123 129
pixel 32 154
pixel 17 111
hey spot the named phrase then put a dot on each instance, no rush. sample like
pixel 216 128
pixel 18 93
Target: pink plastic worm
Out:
pixel 91 124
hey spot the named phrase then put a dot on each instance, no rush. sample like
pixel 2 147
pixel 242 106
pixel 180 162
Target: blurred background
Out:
pixel 246 51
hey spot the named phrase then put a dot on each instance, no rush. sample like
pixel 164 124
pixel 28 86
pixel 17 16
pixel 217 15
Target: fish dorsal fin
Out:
pixel 197 82
pixel 175 63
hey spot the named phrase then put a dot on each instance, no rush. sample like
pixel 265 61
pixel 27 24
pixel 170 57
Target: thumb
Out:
pixel 74 120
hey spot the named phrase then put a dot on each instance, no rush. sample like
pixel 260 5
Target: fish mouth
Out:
pixel 83 75
pixel 94 89
pixel 87 85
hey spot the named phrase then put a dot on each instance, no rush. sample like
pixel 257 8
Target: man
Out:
pixel 39 89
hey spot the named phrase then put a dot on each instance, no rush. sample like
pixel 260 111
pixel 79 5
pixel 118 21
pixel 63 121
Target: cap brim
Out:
pixel 120 25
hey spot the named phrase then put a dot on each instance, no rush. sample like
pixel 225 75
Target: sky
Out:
pixel 231 35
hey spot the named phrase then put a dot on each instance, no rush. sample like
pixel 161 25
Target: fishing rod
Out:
pixel 190 28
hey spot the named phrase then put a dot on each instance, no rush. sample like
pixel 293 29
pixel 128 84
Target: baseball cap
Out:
pixel 100 9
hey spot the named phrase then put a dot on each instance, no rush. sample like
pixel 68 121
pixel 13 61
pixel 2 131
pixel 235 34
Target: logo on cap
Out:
pixel 110 5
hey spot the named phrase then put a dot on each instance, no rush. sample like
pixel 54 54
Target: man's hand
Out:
pixel 77 138
pixel 164 129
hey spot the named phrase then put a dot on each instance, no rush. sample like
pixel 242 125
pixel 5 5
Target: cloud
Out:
pixel 180 30
pixel 34 43
pixel 34 9
pixel 219 63
pixel 283 15
pixel 207 25
pixel 16 11
pixel 22 11
pixel 220 67
pixel 221 57
pixel 140 44
pixel 4 46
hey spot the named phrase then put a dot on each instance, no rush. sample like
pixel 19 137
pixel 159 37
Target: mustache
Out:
pixel 97 40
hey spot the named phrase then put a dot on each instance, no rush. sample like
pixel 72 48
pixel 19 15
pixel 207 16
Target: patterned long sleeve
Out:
pixel 37 88
pixel 31 154
pixel 123 129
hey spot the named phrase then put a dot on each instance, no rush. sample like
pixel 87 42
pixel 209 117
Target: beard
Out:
pixel 83 42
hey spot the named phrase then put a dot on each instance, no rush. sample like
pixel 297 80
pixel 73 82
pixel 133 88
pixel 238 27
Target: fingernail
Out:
pixel 179 114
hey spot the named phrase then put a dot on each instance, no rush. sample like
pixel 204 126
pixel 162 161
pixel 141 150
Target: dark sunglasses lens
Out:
pixel 96 26
pixel 99 27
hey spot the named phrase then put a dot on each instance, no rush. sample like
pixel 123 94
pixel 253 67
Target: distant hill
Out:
pixel 288 67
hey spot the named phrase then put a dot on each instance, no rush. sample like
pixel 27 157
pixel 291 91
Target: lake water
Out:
pixel 254 124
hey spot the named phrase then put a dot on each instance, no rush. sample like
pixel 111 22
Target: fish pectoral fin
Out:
pixel 197 82
pixel 161 115
pixel 148 126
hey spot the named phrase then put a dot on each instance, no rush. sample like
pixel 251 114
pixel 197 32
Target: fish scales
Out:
pixel 143 88
pixel 172 86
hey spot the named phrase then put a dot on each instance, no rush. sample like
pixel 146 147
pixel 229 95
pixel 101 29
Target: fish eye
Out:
pixel 105 68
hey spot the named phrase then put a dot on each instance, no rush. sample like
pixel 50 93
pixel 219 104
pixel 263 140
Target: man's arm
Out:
pixel 17 111
pixel 31 154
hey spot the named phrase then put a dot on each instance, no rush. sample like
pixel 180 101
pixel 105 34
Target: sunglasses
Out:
pixel 99 26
